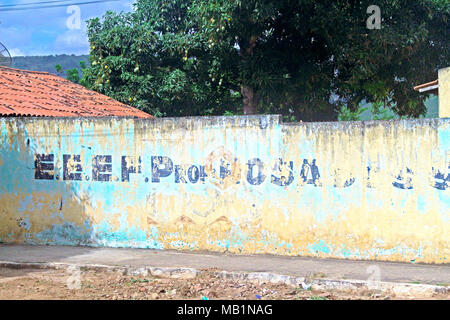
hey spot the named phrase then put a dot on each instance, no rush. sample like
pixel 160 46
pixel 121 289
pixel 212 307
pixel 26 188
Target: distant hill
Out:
pixel 47 63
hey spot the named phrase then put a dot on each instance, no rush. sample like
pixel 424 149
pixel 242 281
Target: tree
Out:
pixel 72 74
pixel 301 58
pixel 153 60
pixel 58 68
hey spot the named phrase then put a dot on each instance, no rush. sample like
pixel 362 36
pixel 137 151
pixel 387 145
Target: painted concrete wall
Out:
pixel 359 190
pixel 444 93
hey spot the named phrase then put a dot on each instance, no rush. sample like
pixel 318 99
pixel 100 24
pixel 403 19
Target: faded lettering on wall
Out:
pixel 162 167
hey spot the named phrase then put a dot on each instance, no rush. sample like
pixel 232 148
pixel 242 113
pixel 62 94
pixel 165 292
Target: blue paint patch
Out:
pixel 421 204
pixel 347 253
pixel 178 244
pixel 319 247
pixel 222 243
pixel 65 234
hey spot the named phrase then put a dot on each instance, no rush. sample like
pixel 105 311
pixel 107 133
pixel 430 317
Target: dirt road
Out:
pixel 108 285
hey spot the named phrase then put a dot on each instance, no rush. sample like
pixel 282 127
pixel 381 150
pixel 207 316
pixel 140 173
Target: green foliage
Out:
pixel 302 59
pixel 230 113
pixel 74 73
pixel 348 115
pixel 151 59
pixel 318 298
pixel 380 112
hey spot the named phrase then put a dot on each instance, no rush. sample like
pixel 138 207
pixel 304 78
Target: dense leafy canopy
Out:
pixel 304 58
pixel 152 60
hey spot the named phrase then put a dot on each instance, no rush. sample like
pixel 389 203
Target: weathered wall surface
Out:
pixel 444 93
pixel 361 190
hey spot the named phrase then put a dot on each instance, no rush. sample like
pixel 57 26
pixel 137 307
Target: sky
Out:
pixel 51 31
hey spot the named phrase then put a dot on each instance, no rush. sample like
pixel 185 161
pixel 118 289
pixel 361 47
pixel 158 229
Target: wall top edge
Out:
pixel 273 118
pixel 262 121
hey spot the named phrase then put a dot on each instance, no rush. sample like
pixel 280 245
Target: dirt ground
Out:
pixel 106 285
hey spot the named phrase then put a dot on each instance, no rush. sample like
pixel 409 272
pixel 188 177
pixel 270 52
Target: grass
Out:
pixel 88 285
pixel 442 284
pixel 133 280
pixel 319 275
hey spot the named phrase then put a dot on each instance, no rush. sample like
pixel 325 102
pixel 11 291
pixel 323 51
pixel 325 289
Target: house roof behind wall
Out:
pixel 31 93
pixel 430 87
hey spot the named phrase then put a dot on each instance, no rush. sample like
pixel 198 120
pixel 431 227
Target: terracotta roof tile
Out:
pixel 32 93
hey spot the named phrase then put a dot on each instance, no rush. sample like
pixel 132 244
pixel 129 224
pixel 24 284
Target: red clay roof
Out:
pixel 32 93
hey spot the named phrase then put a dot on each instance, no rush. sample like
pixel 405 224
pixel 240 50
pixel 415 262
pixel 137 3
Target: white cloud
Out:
pixel 16 52
pixel 43 32
pixel 73 41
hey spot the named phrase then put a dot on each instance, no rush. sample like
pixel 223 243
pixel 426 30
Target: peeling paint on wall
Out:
pixel 357 190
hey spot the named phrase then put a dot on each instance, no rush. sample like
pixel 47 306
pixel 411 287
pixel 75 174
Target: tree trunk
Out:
pixel 248 100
